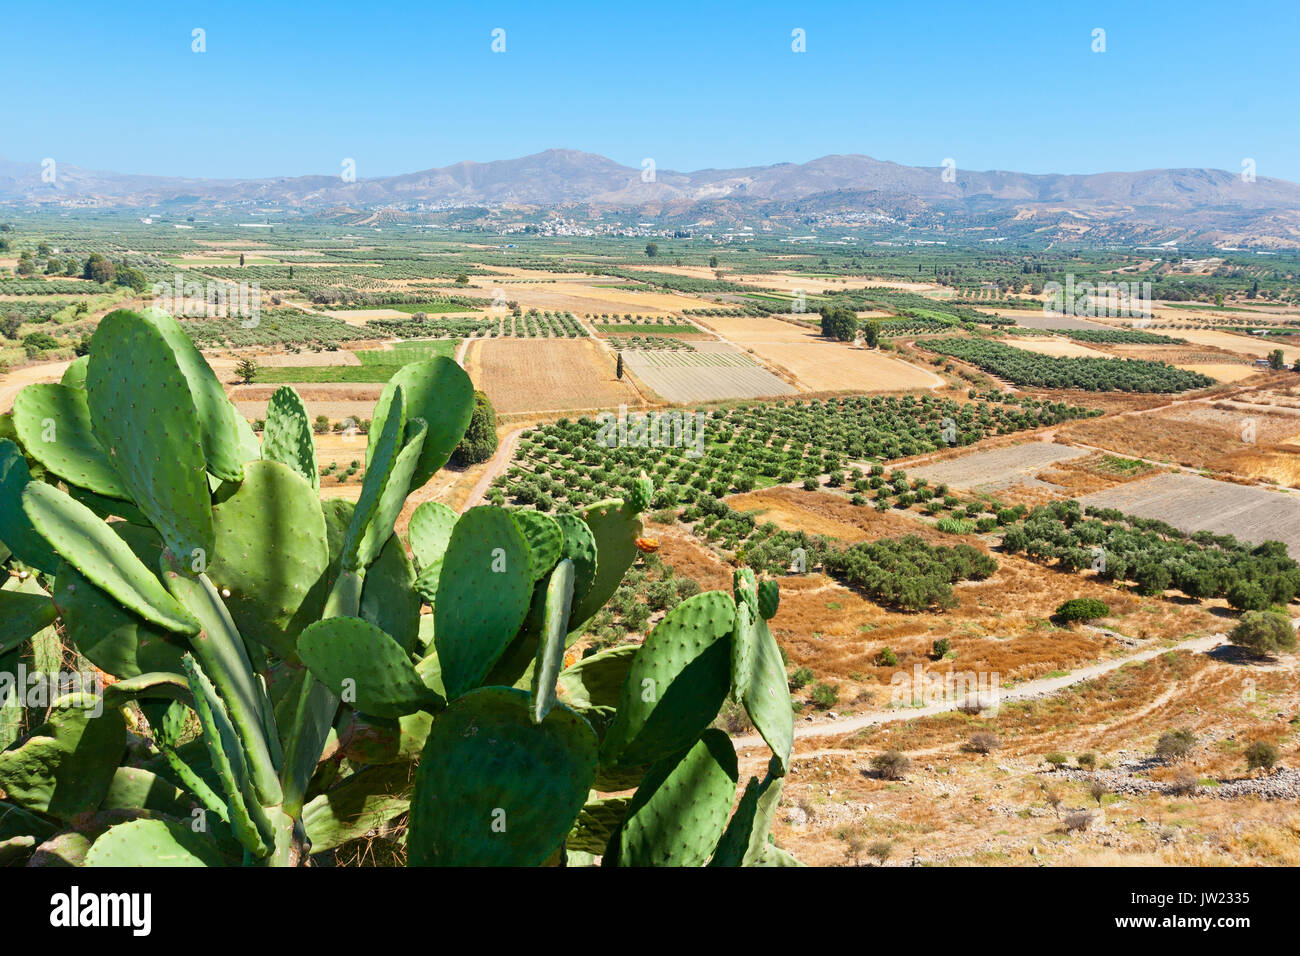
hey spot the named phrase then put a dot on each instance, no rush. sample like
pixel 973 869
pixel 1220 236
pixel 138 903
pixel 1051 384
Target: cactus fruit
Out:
pixel 287 436
pixel 483 596
pixel 677 681
pixel 639 495
pixel 170 489
pixel 495 789
pixel 769 599
pixel 679 812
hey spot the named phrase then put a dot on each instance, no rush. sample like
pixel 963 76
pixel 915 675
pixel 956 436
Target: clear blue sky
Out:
pixel 294 88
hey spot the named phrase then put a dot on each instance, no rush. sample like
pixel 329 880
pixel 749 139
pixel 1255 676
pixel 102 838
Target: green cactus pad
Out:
pixel 677 681
pixel 745 588
pixel 219 432
pixel 366 800
pixel 271 555
pixel 439 392
pixel 53 424
pixel 680 811
pixel 615 530
pixel 16 530
pixel 744 645
pixel 133 788
pixel 154 843
pixel 74 376
pixel 769 599
pixel 388 597
pixel 550 647
pixel 102 557
pixel 107 508
pixel 226 753
pixel 21 616
pixel 392 498
pixel 580 548
pixel 380 460
pixel 596 823
pixel 767 696
pixel 429 531
pixel 66 765
pixel 151 434
pixel 364 667
pixel 366 739
pixel 643 489
pixel 495 789
pixel 545 540
pixel 596 681
pixel 287 436
pixel 746 836
pixel 109 636
pixel 482 598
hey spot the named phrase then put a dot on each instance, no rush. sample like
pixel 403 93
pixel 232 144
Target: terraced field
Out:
pixel 703 376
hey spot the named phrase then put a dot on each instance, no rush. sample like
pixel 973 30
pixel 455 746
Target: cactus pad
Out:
pixel 579 547
pixel 680 811
pixel 439 392
pixel 381 457
pixel 615 530
pixel 364 666
pixel 154 843
pixel 596 681
pixel 151 434
pixel 744 646
pixel 545 540
pixel 746 836
pixel 388 597
pixel 102 557
pixel 495 789
pixel 429 531
pixel 677 681
pixel 550 646
pixel 271 555
pixel 287 436
pixel 16 529
pixel 482 598
pixel 769 599
pixel 53 424
pixel 392 498
pixel 767 696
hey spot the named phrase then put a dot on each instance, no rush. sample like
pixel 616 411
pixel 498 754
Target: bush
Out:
pixel 940 648
pixel 1078 820
pixel 800 678
pixel 1264 633
pixel 983 743
pixel 1175 744
pixel 825 696
pixel 1082 609
pixel 1087 761
pixel 1057 759
pixel 891 765
pixel 886 658
pixel 1261 755
pixel 480 441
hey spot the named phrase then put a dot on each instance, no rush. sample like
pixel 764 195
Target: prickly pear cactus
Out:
pixel 343 676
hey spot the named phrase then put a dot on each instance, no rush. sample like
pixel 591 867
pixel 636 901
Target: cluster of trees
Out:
pixel 1155 556
pixel 1122 337
pixel 480 441
pixel 1022 367
pixel 908 573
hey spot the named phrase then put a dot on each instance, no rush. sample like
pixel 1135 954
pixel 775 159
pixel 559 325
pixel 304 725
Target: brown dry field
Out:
pixel 573 295
pixel 1254 346
pixel 1053 346
pixel 541 375
pixel 817 364
pixel 962 808
pixel 1222 373
pixel 1201 436
pixel 786 281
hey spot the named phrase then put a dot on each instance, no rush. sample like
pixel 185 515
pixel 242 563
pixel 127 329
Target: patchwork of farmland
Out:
pixel 1192 503
pixel 702 376
pixel 545 375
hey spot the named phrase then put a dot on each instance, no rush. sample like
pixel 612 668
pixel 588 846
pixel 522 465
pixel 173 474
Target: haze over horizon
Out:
pixel 691 88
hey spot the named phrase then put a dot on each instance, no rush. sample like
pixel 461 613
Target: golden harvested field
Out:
pixel 1223 373
pixel 1053 346
pixel 1254 346
pixel 810 283
pixel 818 364
pixel 572 295
pixel 544 375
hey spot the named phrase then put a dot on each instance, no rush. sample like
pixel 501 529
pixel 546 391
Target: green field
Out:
pixel 404 352
pixel 312 374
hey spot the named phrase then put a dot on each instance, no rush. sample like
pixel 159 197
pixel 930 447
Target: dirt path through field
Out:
pixel 1034 688
pixel 495 467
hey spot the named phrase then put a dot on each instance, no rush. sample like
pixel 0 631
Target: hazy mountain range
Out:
pixel 842 191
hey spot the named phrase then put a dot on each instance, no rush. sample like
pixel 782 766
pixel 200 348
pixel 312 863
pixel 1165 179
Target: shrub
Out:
pixel 1175 744
pixel 800 678
pixel 1264 633
pixel 891 765
pixel 983 742
pixel 1082 609
pixel 1078 820
pixel 1184 785
pixel 886 658
pixel 940 648
pixel 1261 755
pixel 1087 761
pixel 1057 759
pixel 480 440
pixel 880 851
pixel 825 696
pixel 1097 790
